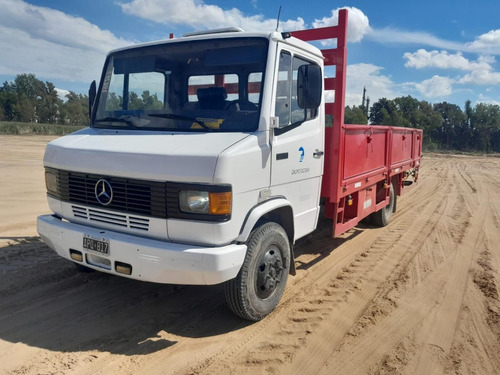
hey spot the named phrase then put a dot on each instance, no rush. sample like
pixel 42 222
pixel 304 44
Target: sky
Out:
pixel 432 50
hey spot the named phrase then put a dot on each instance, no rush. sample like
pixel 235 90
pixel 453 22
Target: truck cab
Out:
pixel 202 165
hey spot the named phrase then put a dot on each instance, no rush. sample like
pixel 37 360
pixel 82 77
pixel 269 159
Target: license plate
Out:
pixel 100 245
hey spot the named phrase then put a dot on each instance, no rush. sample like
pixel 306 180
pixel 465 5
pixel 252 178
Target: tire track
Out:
pixel 333 295
pixel 413 310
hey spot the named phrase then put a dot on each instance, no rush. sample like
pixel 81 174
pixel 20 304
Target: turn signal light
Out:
pixel 123 268
pixel 220 203
pixel 76 255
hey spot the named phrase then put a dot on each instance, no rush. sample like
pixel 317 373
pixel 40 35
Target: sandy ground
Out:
pixel 420 296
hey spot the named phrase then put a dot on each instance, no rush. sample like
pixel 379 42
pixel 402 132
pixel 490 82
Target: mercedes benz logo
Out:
pixel 103 192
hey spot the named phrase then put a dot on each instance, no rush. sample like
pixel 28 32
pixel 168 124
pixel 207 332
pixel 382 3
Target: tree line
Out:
pixel 445 125
pixel 28 99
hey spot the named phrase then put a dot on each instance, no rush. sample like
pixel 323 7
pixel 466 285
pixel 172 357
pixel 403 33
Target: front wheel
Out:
pixel 258 287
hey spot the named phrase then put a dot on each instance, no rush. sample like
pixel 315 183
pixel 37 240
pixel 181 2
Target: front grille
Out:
pixel 130 196
pixel 121 220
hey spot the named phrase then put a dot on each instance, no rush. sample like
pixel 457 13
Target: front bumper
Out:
pixel 150 260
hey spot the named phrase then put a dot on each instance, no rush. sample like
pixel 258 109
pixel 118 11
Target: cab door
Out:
pixel 297 140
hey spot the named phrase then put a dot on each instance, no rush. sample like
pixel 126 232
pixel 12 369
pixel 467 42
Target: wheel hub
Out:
pixel 269 272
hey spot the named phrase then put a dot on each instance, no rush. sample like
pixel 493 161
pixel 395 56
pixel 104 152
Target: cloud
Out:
pixel 481 77
pixel 61 93
pixel 391 35
pixel 370 76
pixel 487 100
pixel 435 87
pixel 445 60
pixel 56 27
pixel 50 43
pixel 486 43
pixel 481 71
pixel 197 14
pixel 358 24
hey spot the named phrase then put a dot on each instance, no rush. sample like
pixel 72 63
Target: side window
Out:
pixel 283 90
pixel 287 107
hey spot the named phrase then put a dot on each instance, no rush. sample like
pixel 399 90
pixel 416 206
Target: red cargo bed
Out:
pixel 361 161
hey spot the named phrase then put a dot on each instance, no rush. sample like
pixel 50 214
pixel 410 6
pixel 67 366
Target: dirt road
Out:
pixel 420 296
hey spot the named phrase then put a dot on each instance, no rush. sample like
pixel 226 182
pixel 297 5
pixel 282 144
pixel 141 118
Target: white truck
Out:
pixel 203 164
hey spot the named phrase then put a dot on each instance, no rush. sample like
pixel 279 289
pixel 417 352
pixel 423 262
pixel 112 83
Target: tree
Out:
pixel 8 100
pixel 409 108
pixel 385 112
pixel 32 94
pixel 48 104
pixel 355 115
pixel 485 120
pixel 24 109
pixel 451 133
pixel 428 120
pixel 29 86
pixel 75 110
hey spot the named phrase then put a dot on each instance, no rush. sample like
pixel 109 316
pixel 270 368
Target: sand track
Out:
pixel 420 296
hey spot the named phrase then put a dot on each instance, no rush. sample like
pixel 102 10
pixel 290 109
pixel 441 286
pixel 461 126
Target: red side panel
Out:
pixel 365 152
pixel 402 147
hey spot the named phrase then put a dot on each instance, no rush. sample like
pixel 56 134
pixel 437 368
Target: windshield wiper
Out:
pixel 129 120
pixel 180 117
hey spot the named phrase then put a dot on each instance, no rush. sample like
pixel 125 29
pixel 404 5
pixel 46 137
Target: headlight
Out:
pixel 196 202
pixel 204 202
pixel 51 182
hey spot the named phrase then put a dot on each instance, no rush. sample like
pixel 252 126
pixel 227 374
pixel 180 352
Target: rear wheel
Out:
pixel 258 287
pixel 383 216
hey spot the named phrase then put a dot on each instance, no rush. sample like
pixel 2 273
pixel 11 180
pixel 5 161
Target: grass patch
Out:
pixel 21 128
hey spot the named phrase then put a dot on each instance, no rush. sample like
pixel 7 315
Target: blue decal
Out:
pixel 302 153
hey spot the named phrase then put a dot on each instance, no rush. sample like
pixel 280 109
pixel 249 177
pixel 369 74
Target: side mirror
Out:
pixel 92 96
pixel 309 86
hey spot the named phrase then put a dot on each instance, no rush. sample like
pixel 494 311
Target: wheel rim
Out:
pixel 269 272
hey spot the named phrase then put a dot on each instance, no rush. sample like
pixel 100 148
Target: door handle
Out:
pixel 317 154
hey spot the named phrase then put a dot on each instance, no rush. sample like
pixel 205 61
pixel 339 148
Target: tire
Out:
pixel 383 216
pixel 258 287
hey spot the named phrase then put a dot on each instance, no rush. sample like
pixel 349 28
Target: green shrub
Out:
pixel 21 128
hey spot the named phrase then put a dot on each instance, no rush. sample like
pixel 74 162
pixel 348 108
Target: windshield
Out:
pixel 204 86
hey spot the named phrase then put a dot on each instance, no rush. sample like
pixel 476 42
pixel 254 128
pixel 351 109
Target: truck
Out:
pixel 208 156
